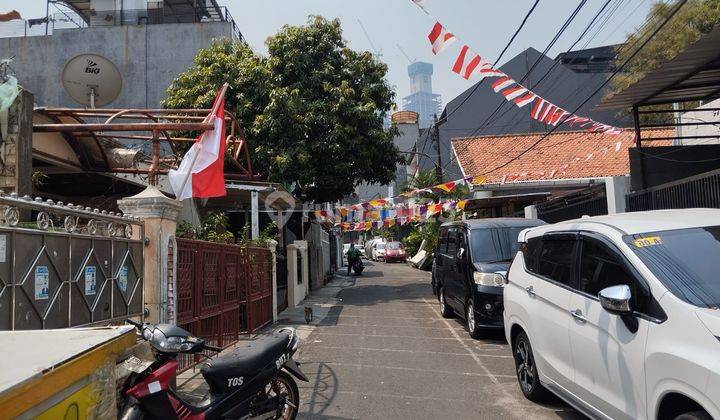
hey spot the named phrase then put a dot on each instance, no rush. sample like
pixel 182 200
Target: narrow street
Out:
pixel 384 351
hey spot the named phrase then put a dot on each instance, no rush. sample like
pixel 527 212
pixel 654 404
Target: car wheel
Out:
pixel 527 373
pixel 445 310
pixel 470 322
pixel 694 415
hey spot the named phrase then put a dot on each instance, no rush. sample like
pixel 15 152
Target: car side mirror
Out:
pixel 461 254
pixel 616 299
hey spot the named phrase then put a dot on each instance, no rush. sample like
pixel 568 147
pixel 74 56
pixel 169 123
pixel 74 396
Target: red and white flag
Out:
pixel 502 83
pixel 538 108
pixel 466 68
pixel 201 172
pixel 514 92
pixel 488 70
pixel 440 38
pixel 525 99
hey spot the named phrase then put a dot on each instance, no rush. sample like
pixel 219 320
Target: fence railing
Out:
pixel 222 291
pixel 65 265
pixel 118 17
pixel 590 202
pixel 696 191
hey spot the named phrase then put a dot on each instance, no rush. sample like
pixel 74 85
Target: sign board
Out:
pixel 42 282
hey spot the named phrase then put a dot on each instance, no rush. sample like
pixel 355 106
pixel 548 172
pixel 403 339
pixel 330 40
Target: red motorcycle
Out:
pixel 252 382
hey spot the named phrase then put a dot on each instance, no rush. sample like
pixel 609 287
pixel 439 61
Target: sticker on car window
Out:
pixel 649 241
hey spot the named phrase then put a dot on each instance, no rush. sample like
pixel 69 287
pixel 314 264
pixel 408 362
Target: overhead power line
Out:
pixel 677 8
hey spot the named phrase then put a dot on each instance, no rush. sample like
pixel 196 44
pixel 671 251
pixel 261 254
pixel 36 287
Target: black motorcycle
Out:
pixel 252 382
pixel 358 266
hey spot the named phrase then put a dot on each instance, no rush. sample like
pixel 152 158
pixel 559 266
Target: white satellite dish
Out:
pixel 91 80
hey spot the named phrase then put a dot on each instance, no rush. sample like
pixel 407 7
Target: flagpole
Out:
pixel 207 119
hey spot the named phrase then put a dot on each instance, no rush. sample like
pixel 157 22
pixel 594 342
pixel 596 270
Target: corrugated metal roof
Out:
pixel 694 74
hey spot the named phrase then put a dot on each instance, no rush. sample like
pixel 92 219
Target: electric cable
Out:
pixel 677 8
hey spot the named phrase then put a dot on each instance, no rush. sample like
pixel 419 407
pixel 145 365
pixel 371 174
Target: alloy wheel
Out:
pixel 470 318
pixel 524 363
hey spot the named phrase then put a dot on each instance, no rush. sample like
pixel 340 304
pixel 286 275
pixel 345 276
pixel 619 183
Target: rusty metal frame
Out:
pixel 163 123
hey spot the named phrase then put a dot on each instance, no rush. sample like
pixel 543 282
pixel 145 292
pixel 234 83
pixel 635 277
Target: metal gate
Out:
pixel 588 202
pixel 222 290
pixel 65 266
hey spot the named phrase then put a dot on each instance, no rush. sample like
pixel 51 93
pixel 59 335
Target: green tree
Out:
pixel 312 109
pixel 695 18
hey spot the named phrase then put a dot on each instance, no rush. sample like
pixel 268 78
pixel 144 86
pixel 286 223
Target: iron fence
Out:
pixel 66 265
pixel 696 191
pixel 589 202
pixel 222 291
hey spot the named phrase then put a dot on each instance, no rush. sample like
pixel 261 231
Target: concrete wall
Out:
pixel 148 57
pixel 712 117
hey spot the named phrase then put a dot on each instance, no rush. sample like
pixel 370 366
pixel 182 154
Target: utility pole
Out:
pixel 435 135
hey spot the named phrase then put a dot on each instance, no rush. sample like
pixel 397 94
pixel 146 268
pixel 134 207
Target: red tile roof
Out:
pixel 561 155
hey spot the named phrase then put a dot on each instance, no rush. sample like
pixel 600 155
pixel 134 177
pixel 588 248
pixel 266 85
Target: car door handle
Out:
pixel 578 315
pixel 530 291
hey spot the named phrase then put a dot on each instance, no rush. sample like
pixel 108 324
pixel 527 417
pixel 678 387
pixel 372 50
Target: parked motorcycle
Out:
pixel 358 266
pixel 252 382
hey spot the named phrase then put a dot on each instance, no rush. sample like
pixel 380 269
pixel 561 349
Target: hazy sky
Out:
pixel 484 25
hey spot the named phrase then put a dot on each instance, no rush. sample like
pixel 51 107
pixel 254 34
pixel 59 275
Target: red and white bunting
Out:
pixel 502 83
pixel 514 92
pixel 469 63
pixel 440 38
pixel 467 68
pixel 521 101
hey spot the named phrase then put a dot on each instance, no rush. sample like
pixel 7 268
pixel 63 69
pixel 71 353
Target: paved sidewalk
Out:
pixel 323 302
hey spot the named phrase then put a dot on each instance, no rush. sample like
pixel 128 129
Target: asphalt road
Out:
pixel 384 352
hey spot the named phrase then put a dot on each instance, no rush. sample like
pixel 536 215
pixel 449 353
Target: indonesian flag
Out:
pixel 440 38
pixel 201 172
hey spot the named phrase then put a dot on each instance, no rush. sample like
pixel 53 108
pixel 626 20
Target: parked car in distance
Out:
pixel 378 251
pixel 394 251
pixel 618 315
pixel 369 246
pixel 469 267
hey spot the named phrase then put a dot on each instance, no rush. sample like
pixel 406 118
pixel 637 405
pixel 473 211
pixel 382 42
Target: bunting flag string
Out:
pixel 397 216
pixel 469 63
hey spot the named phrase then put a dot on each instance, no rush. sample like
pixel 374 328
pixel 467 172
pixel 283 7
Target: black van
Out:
pixel 468 273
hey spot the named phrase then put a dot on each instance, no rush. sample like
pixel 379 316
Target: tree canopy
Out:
pixel 312 108
pixel 695 18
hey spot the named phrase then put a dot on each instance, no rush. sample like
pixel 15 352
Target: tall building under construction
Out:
pixel 422 99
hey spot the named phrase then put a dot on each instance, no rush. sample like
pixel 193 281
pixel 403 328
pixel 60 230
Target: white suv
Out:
pixel 619 315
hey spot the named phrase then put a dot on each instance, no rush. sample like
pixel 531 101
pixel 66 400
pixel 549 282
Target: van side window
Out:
pixel 530 254
pixel 452 242
pixel 556 260
pixel 600 268
pixel 442 241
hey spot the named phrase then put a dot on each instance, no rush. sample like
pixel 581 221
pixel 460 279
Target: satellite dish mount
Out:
pixel 92 80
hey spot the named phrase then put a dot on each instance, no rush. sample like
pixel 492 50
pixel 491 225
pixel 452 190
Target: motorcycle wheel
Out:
pixel 283 384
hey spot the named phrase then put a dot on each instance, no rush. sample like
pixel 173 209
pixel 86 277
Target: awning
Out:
pixel 694 74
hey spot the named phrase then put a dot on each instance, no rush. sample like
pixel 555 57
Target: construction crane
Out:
pixel 375 50
pixel 405 54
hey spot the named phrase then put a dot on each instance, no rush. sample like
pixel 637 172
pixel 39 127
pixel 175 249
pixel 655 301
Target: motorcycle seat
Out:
pixel 246 360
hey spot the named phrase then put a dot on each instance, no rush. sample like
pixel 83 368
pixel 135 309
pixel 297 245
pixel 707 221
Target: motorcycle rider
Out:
pixel 353 255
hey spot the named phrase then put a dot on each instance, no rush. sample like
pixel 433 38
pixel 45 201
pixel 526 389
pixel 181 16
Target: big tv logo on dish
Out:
pixel 92 67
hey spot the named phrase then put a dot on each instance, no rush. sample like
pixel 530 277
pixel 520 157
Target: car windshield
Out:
pixel 684 260
pixel 394 245
pixel 380 246
pixel 494 244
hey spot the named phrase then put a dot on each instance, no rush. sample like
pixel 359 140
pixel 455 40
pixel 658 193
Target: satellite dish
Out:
pixel 91 80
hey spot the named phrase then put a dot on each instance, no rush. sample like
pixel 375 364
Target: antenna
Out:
pixel 405 54
pixel 368 37
pixel 91 80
